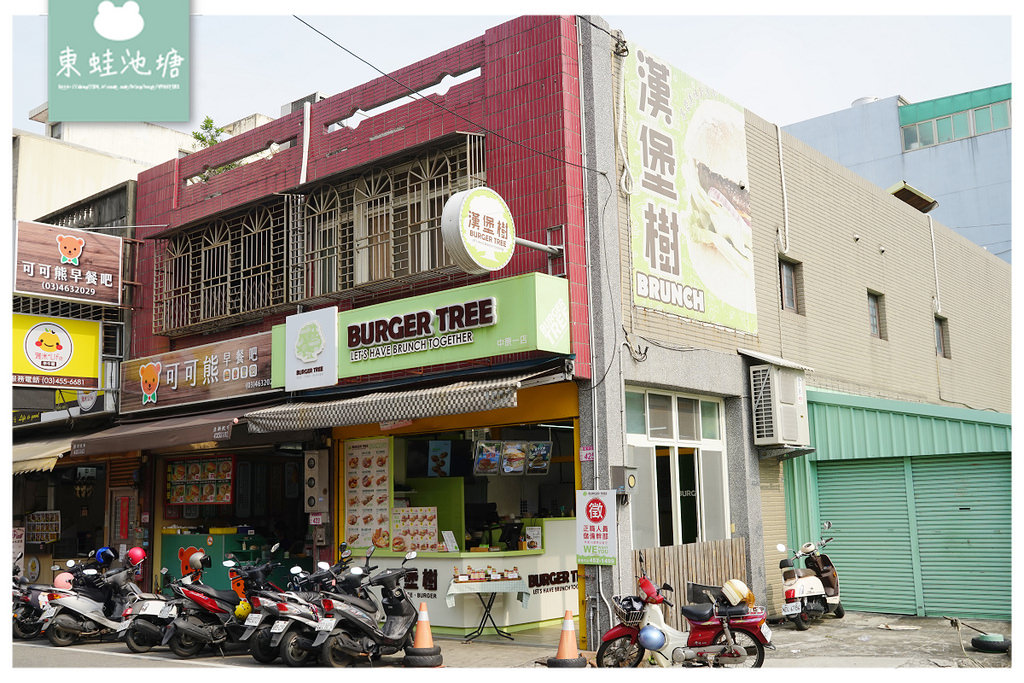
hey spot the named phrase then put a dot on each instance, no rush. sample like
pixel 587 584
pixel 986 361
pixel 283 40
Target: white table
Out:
pixel 491 589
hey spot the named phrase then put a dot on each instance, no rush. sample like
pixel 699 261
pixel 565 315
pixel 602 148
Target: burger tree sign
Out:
pixel 596 536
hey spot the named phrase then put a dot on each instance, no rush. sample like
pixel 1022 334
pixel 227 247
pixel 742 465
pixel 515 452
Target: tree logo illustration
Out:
pixel 309 343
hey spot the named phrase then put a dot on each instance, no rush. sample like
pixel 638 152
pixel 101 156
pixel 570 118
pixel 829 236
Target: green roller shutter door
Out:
pixel 964 528
pixel 866 501
pixel 934 527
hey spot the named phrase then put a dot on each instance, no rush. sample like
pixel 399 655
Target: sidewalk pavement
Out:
pixel 859 640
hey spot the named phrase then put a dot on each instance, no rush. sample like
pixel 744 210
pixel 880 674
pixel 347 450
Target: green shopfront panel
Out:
pixel 963 514
pixel 866 501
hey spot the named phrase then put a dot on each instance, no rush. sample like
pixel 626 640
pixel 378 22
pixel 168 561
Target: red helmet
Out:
pixel 135 556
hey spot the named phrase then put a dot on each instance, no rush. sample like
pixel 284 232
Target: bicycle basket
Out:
pixel 629 609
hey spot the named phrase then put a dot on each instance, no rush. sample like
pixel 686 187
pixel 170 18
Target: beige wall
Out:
pixel 50 174
pixel 827 206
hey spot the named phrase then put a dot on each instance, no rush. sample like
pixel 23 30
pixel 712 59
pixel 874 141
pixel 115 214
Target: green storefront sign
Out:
pixel 513 315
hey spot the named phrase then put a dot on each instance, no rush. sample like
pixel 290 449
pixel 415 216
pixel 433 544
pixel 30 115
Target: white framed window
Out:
pixel 677 443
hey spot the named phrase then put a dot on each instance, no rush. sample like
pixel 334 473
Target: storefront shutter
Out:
pixel 866 501
pixel 963 513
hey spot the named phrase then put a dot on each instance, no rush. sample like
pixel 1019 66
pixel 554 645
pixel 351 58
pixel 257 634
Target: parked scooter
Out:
pixel 95 603
pixel 359 633
pixel 29 602
pixel 810 592
pixel 729 631
pixel 144 622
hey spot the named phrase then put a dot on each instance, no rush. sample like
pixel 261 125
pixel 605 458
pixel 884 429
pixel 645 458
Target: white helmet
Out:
pixel 807 548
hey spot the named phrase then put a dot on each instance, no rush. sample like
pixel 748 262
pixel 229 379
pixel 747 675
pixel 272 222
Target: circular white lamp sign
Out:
pixel 478 230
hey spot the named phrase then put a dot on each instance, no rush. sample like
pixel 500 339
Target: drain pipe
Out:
pixel 305 141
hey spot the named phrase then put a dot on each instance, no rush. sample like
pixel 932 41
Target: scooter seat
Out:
pixel 230 597
pixel 358 603
pixel 701 612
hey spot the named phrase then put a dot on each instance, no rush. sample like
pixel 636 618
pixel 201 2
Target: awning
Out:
pixel 165 433
pixel 389 406
pixel 774 360
pixel 39 455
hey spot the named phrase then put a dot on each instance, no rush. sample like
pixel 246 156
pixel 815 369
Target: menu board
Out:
pixel 538 457
pixel 415 529
pixel 487 455
pixel 513 457
pixel 439 460
pixel 201 481
pixel 368 493
pixel 42 527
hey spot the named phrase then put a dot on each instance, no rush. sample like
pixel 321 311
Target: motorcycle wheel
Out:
pixel 753 647
pixel 137 642
pixel 58 637
pixel 840 611
pixel 620 652
pixel 291 653
pixel 25 631
pixel 333 656
pixel 801 621
pixel 184 645
pixel 259 646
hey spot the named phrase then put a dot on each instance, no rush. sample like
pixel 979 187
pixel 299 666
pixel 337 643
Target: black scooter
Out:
pixel 358 632
pixel 29 602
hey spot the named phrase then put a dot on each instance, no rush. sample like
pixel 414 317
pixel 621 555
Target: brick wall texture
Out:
pixel 525 101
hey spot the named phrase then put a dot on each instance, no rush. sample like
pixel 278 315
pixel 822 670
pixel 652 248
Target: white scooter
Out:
pixel 810 592
pixel 79 612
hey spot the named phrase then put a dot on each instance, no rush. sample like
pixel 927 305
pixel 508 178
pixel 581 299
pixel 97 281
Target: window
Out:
pixel 685 478
pixel 791 281
pixel 876 314
pixel 942 337
pixel 960 125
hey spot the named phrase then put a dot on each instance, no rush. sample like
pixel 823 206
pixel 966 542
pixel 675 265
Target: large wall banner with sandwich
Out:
pixel 689 196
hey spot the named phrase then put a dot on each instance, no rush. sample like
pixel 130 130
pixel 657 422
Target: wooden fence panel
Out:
pixel 710 562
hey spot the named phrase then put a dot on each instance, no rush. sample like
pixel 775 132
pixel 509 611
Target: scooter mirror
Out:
pixel 163 570
pixel 411 555
pixel 827 525
pixel 323 565
pixel 55 568
pixel 228 563
pixel 358 571
pixel 369 551
pixel 296 569
pixel 347 554
pixel 90 572
pixel 70 563
pixel 342 547
pixel 781 548
pixel 274 547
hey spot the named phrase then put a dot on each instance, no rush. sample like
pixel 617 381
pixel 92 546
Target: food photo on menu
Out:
pixel 487 455
pixel 538 457
pixel 513 457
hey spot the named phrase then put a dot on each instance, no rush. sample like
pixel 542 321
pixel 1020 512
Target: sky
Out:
pixel 784 68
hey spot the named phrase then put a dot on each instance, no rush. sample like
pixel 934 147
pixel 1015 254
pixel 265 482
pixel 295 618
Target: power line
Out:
pixel 442 107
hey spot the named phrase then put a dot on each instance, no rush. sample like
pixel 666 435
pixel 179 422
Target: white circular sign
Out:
pixel 48 346
pixel 478 230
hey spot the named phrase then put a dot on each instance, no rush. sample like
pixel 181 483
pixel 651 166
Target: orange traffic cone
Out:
pixel 568 656
pixel 423 637
pixel 423 652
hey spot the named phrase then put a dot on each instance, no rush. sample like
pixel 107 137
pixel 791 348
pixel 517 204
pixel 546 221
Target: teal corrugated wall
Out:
pixel 853 434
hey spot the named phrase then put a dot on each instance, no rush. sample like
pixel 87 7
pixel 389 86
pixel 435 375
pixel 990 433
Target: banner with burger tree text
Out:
pixel 689 207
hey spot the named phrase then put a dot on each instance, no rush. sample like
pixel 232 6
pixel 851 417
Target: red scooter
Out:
pixel 728 631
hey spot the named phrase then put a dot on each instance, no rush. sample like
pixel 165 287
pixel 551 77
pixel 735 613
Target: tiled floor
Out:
pixel 542 636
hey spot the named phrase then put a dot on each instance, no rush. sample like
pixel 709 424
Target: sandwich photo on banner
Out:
pixel 691 235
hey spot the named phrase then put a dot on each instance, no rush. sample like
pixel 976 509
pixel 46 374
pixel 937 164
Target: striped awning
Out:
pixel 40 455
pixel 389 406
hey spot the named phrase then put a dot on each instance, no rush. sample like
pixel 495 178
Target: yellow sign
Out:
pixel 55 352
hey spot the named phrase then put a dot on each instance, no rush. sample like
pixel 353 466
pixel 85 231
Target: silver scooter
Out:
pixel 92 607
pixel 810 592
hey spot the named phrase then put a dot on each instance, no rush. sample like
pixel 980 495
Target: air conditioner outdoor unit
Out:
pixel 779 400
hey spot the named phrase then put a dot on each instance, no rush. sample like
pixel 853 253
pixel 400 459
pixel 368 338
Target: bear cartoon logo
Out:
pixel 70 248
pixel 184 554
pixel 150 376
